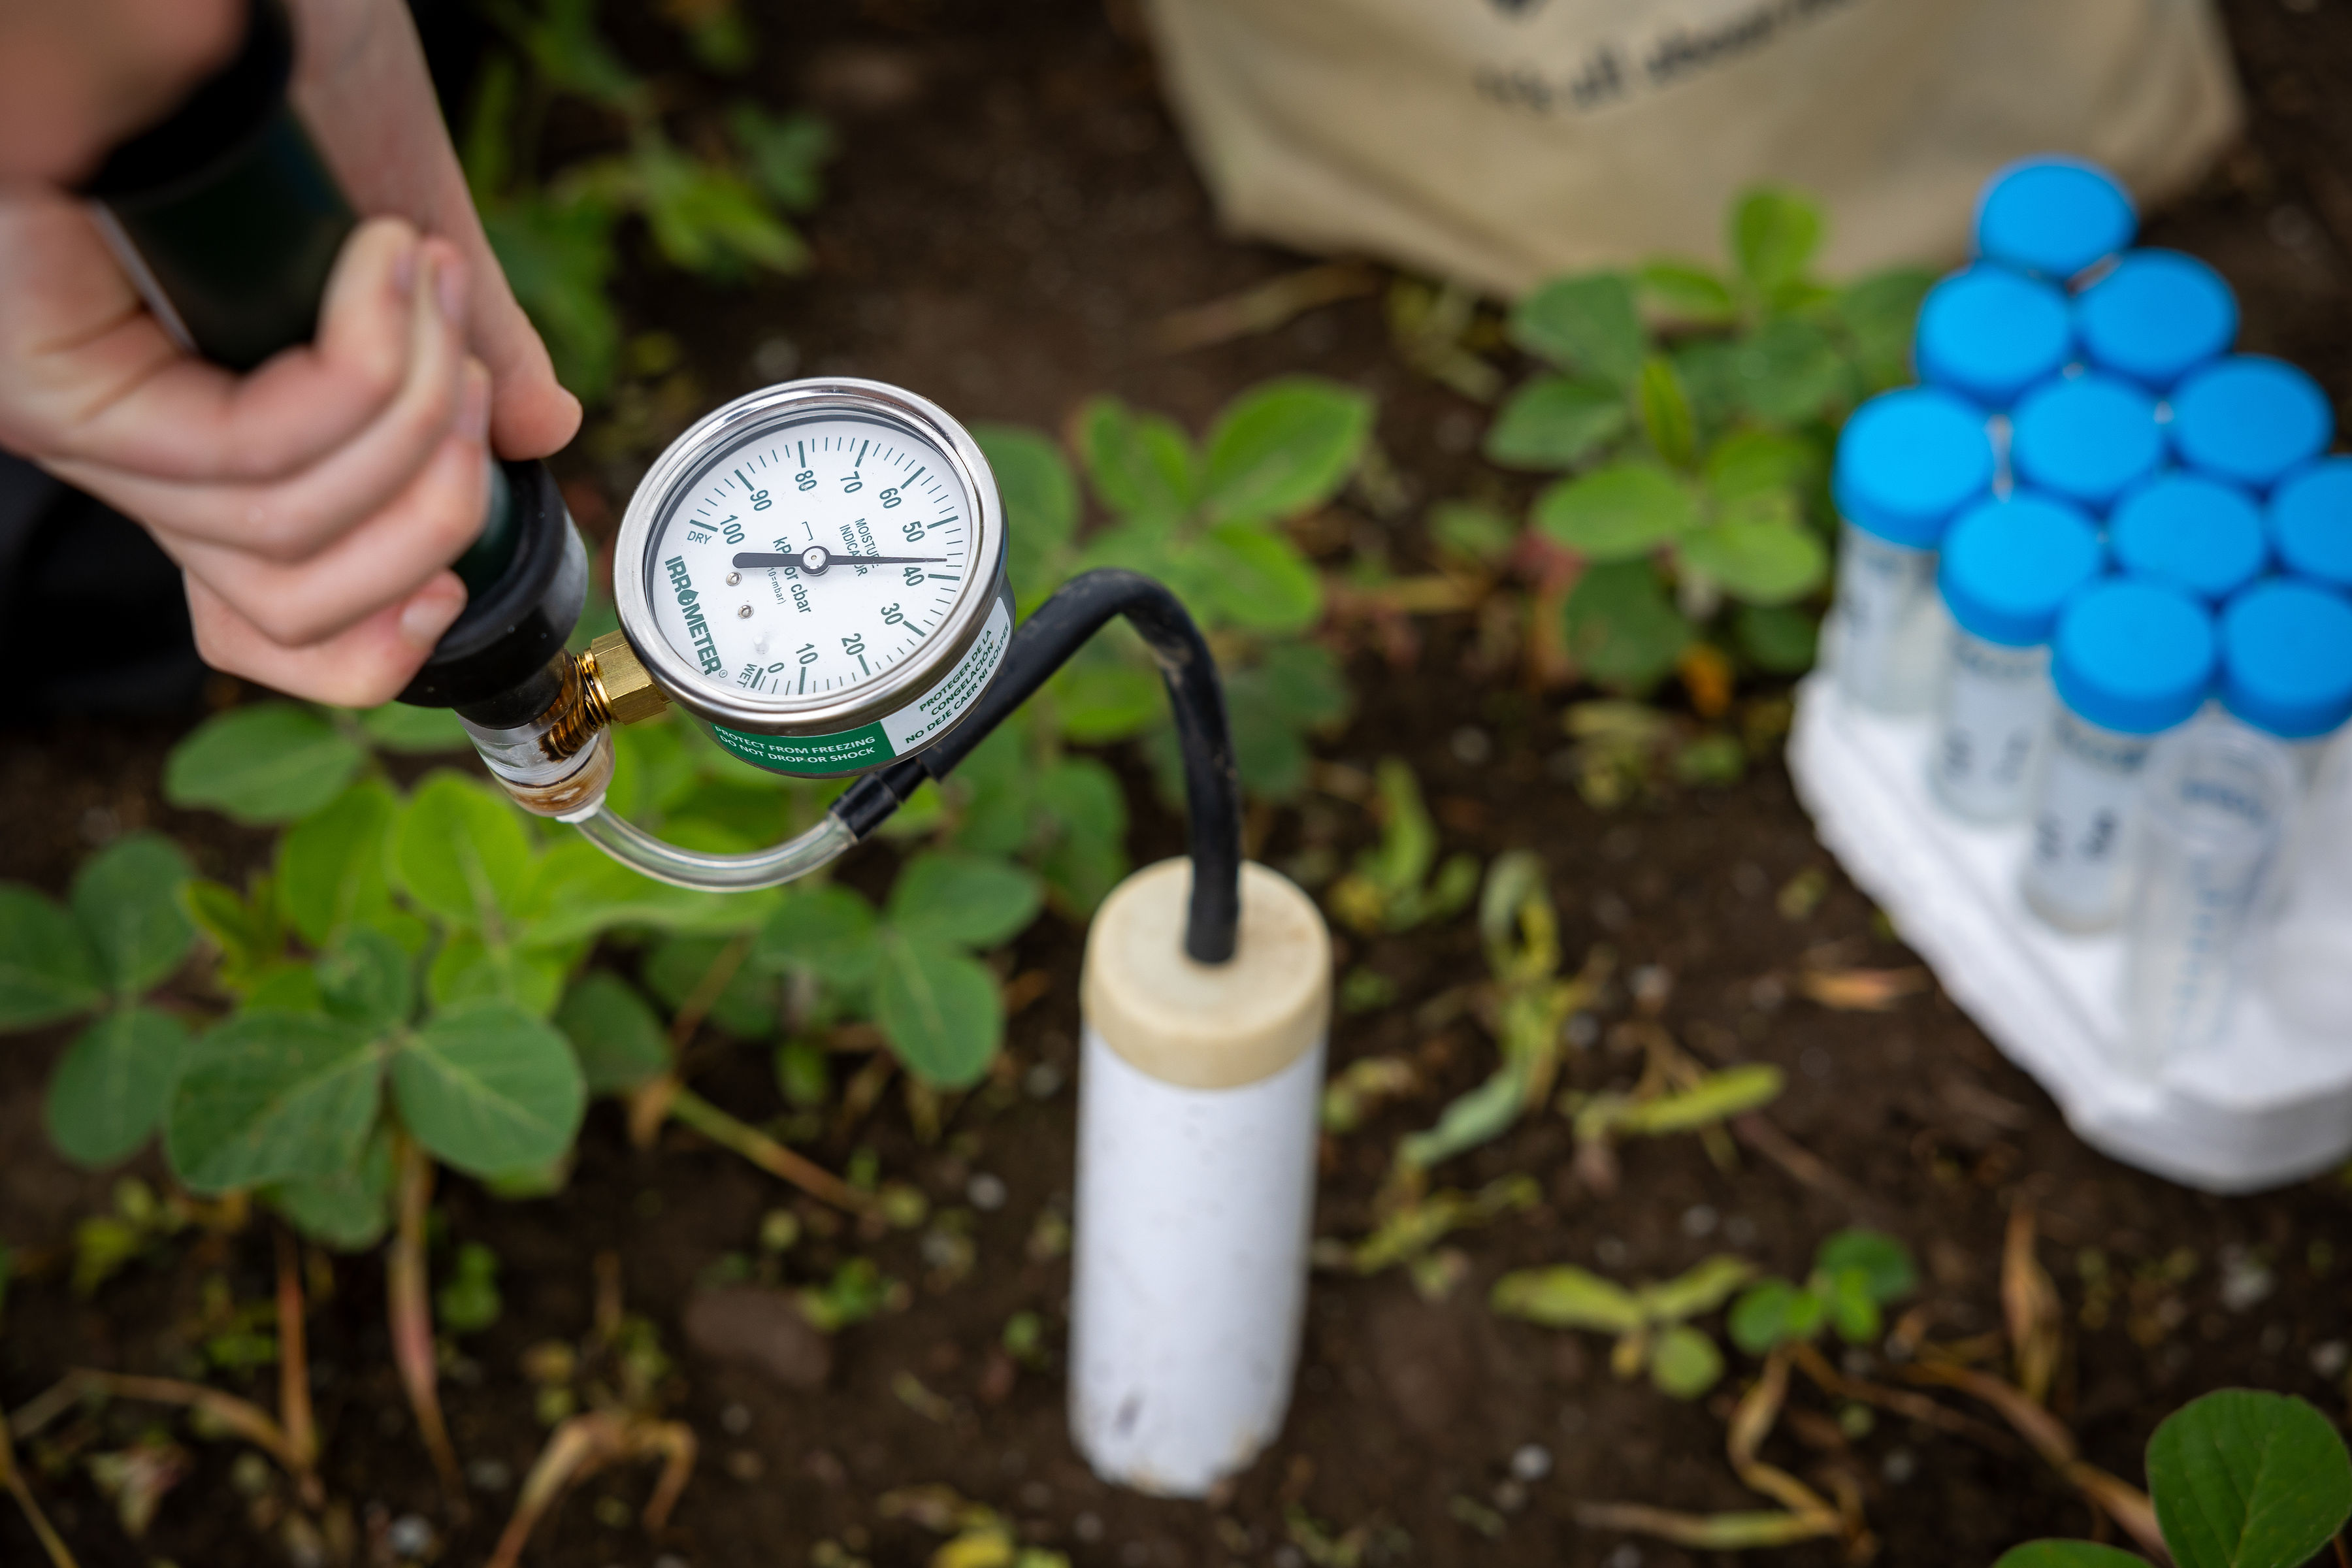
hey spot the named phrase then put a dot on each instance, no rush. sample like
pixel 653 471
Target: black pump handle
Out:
pixel 229 222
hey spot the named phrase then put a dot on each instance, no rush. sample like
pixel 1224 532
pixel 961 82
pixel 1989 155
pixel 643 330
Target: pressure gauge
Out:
pixel 818 571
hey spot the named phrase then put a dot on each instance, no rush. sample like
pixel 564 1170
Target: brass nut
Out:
pixel 623 684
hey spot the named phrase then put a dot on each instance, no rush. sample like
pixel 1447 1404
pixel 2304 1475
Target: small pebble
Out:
pixel 1652 984
pixel 2245 1280
pixel 1289 1557
pixel 986 1191
pixel 2328 1357
pixel 1627 1555
pixel 1530 1461
pixel 736 1419
pixel 1510 1495
pixel 1699 1220
pixel 1899 1465
pixel 1042 1082
pixel 1471 745
pixel 489 1474
pixel 1088 1527
pixel 1583 1031
pixel 1610 1251
pixel 409 1536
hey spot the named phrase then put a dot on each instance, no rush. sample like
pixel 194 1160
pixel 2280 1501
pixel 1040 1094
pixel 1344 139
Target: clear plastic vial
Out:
pixel 2307 961
pixel 1989 334
pixel 2214 807
pixel 1907 463
pixel 2250 420
pixel 2130 661
pixel 2200 535
pixel 2008 567
pixel 2286 665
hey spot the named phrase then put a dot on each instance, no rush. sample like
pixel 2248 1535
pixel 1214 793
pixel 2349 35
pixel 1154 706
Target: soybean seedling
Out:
pixel 1651 1322
pixel 1398 884
pixel 1855 1274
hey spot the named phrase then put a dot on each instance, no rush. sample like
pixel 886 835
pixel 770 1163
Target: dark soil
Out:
pixel 1012 212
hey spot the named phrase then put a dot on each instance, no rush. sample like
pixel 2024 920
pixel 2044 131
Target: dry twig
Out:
pixel 294 1412
pixel 586 1444
pixel 13 1479
pixel 2030 1304
pixel 410 1308
pixel 1264 307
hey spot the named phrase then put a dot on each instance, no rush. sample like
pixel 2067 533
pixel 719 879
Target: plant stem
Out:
pixel 707 992
pixel 764 1151
pixel 411 1312
pixel 294 1412
pixel 13 1479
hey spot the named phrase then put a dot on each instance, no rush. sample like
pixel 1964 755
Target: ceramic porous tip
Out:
pixel 1198 1094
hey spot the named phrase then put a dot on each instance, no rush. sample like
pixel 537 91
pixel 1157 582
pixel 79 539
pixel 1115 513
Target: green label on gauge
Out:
pixel 893 735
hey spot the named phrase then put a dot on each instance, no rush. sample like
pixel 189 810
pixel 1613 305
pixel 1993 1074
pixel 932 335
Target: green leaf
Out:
pixel 128 898
pixel 1041 505
pixel 705 218
pixel 1749 463
pixel 962 900
pixel 1789 372
pixel 1667 417
pixel 557 252
pixel 577 890
pixel 1688 291
pixel 461 850
pixel 1779 638
pixel 109 1089
pixel 2248 1479
pixel 1887 1271
pixel 614 1032
pixel 1587 325
pixel 1757 562
pixel 332 865
pixel 1619 512
pixel 398 727
pixel 1566 1296
pixel 1473 531
pixel 1296 687
pixel 1685 1363
pixel 1555 422
pixel 1880 314
pixel 1696 1291
pixel 271 1096
pixel 48 970
pixel 1774 1312
pixel 1140 463
pixel 488 1089
pixel 369 980
pixel 1084 850
pixel 1098 700
pixel 266 762
pixel 1283 447
pixel 350 1210
pixel 826 931
pixel 571 53
pixel 787 154
pixel 745 1006
pixel 2068 1554
pixel 940 1011
pixel 1622 630
pixel 1853 1312
pixel 1259 580
pixel 1775 230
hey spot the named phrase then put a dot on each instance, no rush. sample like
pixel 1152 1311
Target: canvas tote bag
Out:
pixel 1501 142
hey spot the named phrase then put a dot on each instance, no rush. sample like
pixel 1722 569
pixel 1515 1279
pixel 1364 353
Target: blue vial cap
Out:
pixel 2201 536
pixel 2311 523
pixel 1908 461
pixel 2286 658
pixel 2158 316
pixel 2009 566
pixel 2133 657
pixel 2250 419
pixel 2054 216
pixel 2086 439
pixel 1989 334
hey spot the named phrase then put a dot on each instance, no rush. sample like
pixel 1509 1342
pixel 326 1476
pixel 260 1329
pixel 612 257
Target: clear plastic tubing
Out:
pixel 2309 956
pixel 2214 805
pixel 2200 535
pixel 713 873
pixel 2008 568
pixel 2054 218
pixel 2250 420
pixel 1907 463
pixel 2130 661
pixel 2086 440
pixel 2311 523
pixel 2154 317
pixel 1989 334
pixel 2286 664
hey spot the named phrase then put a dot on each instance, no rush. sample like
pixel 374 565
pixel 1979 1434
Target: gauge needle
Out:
pixel 816 558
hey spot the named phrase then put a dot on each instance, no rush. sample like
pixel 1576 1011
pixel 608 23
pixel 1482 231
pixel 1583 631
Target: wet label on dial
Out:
pixel 892 736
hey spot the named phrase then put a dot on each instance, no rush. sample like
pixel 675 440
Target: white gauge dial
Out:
pixel 755 574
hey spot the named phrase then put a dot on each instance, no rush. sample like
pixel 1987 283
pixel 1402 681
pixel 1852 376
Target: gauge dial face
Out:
pixel 756 573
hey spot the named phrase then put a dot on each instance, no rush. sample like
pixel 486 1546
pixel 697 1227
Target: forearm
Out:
pixel 78 76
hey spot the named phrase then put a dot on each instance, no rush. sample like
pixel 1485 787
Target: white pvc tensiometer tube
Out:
pixel 1197 1127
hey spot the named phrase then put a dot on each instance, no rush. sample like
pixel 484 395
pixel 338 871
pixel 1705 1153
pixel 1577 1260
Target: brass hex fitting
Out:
pixel 620 688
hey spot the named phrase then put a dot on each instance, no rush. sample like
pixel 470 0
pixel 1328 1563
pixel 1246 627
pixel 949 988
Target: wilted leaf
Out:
pixel 1696 1291
pixel 1862 990
pixel 1566 1296
pixel 266 762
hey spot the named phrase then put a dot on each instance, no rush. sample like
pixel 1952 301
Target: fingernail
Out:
pixel 430 610
pixel 450 284
pixel 473 420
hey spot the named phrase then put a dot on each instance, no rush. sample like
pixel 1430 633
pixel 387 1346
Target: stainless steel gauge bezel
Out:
pixel 693 454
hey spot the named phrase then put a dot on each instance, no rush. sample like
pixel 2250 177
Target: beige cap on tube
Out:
pixel 1203 1025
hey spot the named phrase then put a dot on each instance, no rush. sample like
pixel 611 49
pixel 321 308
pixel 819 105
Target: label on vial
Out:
pixel 1885 599
pixel 1996 706
pixel 2074 874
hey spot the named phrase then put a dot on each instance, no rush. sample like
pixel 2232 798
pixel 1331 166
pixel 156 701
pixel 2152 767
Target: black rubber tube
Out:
pixel 1045 643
